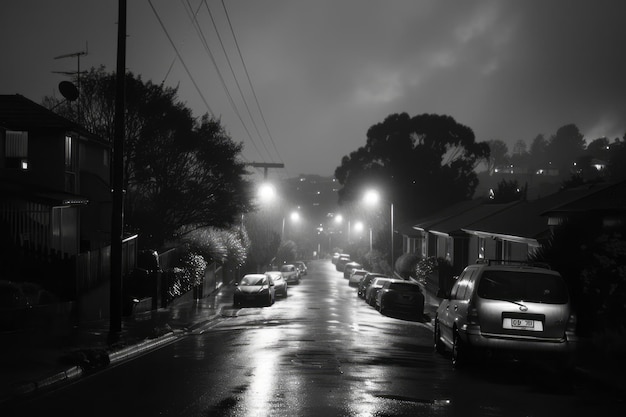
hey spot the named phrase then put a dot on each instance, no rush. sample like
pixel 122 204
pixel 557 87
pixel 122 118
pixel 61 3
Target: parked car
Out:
pixel 366 281
pixel 399 295
pixel 503 308
pixel 335 257
pixel 341 262
pixel 356 276
pixel 255 289
pixel 280 285
pixel 291 274
pixel 301 267
pixel 350 266
pixel 372 290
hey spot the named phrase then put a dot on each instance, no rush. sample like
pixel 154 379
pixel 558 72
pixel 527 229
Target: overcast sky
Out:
pixel 324 71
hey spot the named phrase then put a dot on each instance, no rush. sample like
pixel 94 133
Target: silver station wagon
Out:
pixel 516 309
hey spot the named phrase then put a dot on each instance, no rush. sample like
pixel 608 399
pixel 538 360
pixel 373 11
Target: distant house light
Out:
pixel 24 164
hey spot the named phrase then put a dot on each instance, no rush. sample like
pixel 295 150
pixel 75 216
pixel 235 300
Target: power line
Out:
pixel 181 58
pixel 249 80
pixel 205 44
pixel 235 77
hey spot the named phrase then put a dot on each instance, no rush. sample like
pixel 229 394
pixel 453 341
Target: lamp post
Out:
pixel 295 217
pixel 373 197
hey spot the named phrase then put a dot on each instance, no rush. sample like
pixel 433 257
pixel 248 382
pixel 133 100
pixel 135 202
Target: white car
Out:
pixel 280 284
pixel 520 310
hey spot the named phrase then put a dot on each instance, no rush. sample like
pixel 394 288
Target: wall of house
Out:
pixel 46 160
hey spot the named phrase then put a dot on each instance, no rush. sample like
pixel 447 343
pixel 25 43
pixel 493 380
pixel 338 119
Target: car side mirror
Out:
pixel 236 284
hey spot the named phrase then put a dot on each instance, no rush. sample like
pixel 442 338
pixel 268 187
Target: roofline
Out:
pixel 510 238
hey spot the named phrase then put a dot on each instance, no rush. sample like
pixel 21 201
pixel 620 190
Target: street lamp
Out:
pixel 372 197
pixel 295 217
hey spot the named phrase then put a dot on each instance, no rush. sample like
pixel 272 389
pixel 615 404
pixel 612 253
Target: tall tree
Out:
pixel 538 153
pixel 498 151
pixel 565 147
pixel 421 163
pixel 178 171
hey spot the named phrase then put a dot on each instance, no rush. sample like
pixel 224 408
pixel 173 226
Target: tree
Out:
pixel 422 163
pixel 178 171
pixel 565 147
pixel 498 151
pixel 538 154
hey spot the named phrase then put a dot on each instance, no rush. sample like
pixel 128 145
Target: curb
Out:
pixel 112 357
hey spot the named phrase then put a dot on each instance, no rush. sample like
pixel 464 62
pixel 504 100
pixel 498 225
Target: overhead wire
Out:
pixel 193 81
pixel 243 98
pixel 252 89
pixel 203 40
pixel 250 81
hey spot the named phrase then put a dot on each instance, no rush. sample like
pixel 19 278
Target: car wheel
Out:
pixel 381 308
pixel 460 352
pixel 439 346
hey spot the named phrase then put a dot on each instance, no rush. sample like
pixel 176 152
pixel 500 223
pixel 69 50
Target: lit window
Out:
pixel 16 149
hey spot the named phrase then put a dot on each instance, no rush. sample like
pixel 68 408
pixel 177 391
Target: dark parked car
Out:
pixel 301 267
pixel 399 295
pixel 350 266
pixel 290 273
pixel 255 289
pixel 341 262
pixel 366 281
pixel 356 276
pixel 371 292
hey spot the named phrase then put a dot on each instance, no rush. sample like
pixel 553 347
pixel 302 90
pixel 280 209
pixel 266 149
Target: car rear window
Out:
pixel 399 286
pixel 533 287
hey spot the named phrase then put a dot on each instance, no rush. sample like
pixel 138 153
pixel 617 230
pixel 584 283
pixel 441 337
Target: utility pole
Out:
pixel 265 166
pixel 117 210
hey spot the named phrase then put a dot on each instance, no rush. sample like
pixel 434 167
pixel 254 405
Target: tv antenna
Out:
pixel 76 73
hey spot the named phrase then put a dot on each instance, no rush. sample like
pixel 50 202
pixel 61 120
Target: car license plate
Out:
pixel 522 324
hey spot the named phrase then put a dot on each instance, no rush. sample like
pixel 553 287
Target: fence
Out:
pixel 94 267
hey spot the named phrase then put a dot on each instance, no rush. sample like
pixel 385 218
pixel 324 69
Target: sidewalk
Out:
pixel 38 359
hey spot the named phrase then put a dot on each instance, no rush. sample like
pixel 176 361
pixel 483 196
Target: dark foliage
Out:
pixel 422 163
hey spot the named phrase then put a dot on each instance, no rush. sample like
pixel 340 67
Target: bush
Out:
pixel 183 277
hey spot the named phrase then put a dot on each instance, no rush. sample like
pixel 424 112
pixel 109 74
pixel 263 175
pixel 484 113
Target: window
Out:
pixel 523 286
pixel 68 153
pixel 16 149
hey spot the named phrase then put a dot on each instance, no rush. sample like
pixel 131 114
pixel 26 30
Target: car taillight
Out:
pixel 571 323
pixel 472 314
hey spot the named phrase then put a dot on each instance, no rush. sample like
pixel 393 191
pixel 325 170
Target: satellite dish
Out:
pixel 68 90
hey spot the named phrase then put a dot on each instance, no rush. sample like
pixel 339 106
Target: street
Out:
pixel 322 351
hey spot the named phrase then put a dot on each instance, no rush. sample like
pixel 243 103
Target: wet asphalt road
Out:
pixel 322 351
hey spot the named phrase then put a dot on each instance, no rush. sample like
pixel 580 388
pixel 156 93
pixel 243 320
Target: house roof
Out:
pixel 526 219
pixel 456 224
pixel 19 113
pixel 446 213
pixel 608 197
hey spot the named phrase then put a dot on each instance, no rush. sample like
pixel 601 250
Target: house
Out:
pixel 517 232
pixel 446 237
pixel 55 185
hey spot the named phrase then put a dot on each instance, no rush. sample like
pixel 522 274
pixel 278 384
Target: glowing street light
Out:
pixel 266 192
pixel 372 197
pixel 294 216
